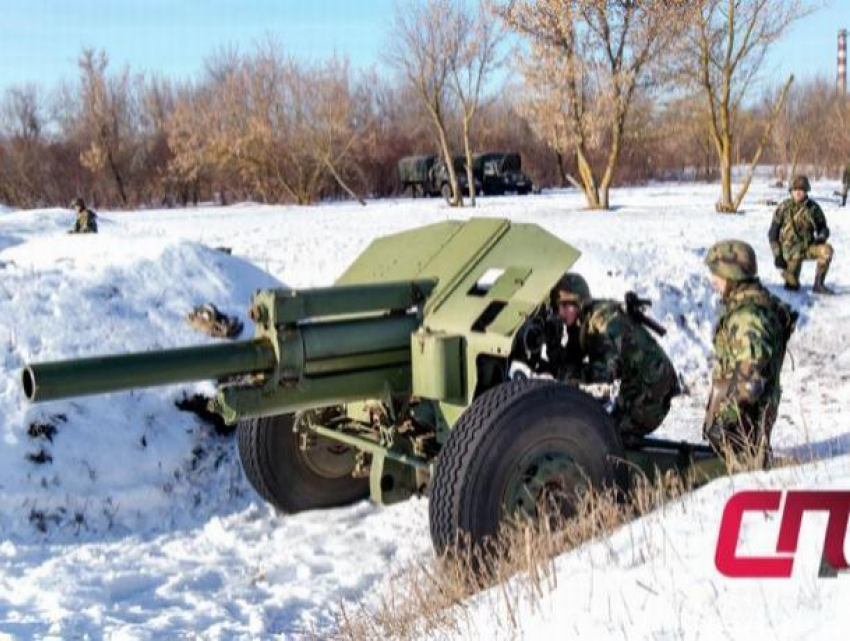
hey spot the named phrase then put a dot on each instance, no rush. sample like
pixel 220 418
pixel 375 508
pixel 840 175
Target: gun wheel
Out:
pixel 523 449
pixel 294 477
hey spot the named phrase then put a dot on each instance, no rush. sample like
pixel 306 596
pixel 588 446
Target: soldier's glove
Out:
pixel 780 262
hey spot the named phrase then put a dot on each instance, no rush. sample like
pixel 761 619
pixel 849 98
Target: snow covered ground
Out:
pixel 128 517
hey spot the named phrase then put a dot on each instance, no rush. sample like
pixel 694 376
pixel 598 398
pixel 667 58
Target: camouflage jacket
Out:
pixel 795 227
pixel 616 347
pixel 86 222
pixel 749 346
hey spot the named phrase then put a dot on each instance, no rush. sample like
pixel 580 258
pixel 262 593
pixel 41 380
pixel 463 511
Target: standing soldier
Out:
pixel 606 343
pixel 86 222
pixel 749 346
pixel 845 184
pixel 799 232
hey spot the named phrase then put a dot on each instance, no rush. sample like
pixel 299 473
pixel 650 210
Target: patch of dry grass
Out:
pixel 431 596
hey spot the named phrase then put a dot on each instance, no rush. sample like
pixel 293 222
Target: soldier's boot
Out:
pixel 824 260
pixel 791 275
pixel 819 287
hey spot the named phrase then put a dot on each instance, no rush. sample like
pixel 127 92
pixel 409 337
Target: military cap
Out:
pixel 573 288
pixel 800 182
pixel 734 260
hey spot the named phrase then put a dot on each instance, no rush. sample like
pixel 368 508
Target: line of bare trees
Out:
pixel 592 93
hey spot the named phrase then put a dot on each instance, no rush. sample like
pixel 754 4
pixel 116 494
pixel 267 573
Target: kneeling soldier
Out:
pixel 799 232
pixel 749 346
pixel 606 343
pixel 86 222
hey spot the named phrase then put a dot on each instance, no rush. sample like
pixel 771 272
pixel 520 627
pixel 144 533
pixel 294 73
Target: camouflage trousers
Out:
pixel 821 253
pixel 744 428
pixel 642 407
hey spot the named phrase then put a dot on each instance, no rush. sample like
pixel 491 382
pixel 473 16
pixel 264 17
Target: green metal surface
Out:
pixel 344 338
pixel 438 367
pixel 653 458
pixel 390 480
pixel 235 402
pixel 101 374
pixel 401 256
pixel 459 256
pixel 371 447
pixel 282 306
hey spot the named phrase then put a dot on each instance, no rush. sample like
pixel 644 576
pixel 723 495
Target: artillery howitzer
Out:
pixel 394 382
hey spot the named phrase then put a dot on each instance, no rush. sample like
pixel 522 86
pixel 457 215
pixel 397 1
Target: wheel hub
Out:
pixel 323 456
pixel 543 482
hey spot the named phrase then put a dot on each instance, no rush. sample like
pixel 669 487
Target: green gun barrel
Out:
pixel 314 349
pixel 101 374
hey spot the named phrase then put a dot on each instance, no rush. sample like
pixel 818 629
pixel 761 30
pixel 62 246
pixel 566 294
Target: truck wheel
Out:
pixel 520 446
pixel 523 192
pixel 294 479
pixel 446 191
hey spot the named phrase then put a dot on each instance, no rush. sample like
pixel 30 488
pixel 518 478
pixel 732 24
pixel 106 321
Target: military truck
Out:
pixel 500 173
pixel 397 381
pixel 429 176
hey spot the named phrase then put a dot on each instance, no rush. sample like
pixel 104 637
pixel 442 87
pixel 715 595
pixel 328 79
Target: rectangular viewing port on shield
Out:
pixel 488 316
pixel 486 282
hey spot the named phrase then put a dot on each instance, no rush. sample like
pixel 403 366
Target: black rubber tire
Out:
pixel 523 192
pixel 491 437
pixel 275 467
pixel 446 192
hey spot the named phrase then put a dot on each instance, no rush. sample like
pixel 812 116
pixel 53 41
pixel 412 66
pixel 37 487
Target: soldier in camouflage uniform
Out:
pixel 799 232
pixel 86 222
pixel 606 344
pixel 749 346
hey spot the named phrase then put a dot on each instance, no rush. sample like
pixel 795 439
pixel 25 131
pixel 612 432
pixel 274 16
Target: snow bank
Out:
pixel 126 461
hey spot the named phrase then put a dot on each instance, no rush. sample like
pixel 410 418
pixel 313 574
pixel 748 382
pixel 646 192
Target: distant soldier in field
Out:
pixel 799 232
pixel 86 222
pixel 605 343
pixel 845 184
pixel 750 339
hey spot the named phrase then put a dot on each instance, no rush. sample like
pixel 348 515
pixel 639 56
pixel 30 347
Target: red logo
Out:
pixel 797 503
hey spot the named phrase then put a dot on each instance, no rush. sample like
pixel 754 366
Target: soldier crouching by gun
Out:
pixel 608 341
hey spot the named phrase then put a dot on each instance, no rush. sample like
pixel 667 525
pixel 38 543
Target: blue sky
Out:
pixel 40 40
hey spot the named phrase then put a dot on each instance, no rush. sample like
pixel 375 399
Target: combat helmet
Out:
pixel 733 260
pixel 572 287
pixel 78 203
pixel 800 182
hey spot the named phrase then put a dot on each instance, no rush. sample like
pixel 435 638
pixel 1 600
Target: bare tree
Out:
pixel 802 132
pixel 286 128
pixel 833 143
pixel 424 51
pixel 107 119
pixel 586 61
pixel 22 122
pixel 479 36
pixel 724 53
